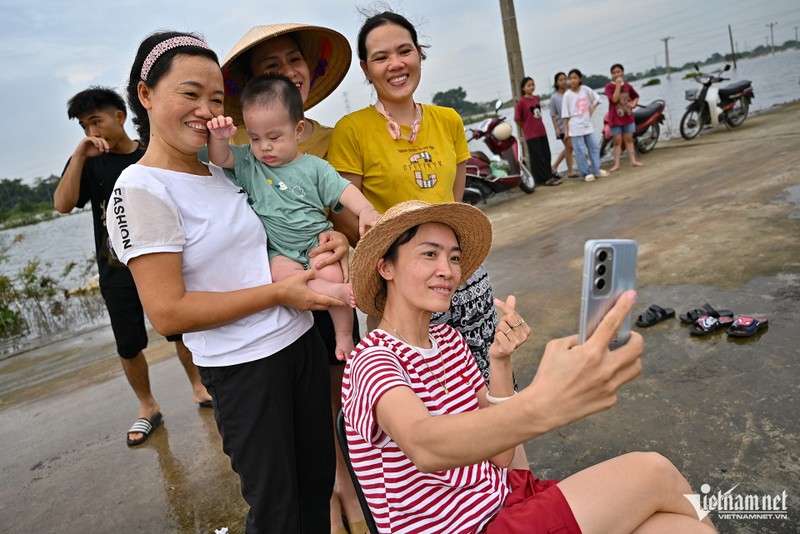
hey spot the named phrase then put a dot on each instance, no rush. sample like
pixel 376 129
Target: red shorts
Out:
pixel 533 506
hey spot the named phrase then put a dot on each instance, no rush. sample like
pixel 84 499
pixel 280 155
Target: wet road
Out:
pixel 717 220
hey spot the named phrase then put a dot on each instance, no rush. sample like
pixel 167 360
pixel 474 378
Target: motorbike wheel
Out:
pixel 647 141
pixel 691 124
pixel 738 113
pixel 604 146
pixel 526 181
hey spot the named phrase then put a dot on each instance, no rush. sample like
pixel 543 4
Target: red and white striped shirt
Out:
pixel 403 499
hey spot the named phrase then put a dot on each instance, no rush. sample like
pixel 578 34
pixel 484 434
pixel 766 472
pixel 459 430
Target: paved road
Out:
pixel 717 220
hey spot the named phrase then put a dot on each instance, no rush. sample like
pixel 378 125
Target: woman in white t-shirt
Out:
pixel 198 254
pixel 556 100
pixel 431 444
pixel 576 109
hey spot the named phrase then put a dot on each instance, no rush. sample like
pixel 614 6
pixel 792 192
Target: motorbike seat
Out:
pixel 641 114
pixel 480 155
pixel 734 88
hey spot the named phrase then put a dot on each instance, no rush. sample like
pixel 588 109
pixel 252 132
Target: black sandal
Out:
pixel 692 316
pixel 654 315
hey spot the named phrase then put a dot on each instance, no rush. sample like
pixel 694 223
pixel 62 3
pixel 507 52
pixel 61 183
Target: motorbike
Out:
pixel 504 169
pixel 710 105
pixel 648 120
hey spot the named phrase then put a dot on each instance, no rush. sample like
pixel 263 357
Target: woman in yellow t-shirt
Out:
pixel 398 150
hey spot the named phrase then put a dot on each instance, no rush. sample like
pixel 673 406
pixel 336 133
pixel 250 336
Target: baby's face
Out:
pixel 273 136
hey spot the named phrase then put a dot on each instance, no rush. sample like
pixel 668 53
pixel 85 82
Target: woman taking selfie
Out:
pixel 434 448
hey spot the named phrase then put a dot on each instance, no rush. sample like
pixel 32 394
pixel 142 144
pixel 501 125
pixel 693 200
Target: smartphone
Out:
pixel 609 269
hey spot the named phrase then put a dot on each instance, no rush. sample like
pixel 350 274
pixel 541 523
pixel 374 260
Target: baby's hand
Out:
pixel 221 128
pixel 367 217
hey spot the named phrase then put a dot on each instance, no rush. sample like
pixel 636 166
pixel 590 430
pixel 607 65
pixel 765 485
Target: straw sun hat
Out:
pixel 326 51
pixel 471 226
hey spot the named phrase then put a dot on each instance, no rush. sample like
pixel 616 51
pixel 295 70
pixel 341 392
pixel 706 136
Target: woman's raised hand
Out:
pixel 512 330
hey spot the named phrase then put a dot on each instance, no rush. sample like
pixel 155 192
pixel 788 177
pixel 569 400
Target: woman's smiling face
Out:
pixel 426 270
pixel 393 63
pixel 183 101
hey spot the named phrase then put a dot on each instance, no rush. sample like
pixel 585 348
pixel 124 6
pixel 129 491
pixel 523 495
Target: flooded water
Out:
pixel 776 80
pixel 55 243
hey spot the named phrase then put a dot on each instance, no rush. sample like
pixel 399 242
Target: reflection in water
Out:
pixel 201 494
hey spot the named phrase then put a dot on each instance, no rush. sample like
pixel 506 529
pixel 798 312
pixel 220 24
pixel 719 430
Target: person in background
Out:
pixel 528 116
pixel 556 100
pixel 577 109
pixel 316 59
pixel 434 447
pixel 90 175
pixel 622 99
pixel 198 255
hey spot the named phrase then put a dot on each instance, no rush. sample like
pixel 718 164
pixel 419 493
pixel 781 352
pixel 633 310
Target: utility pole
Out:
pixel 796 42
pixel 772 34
pixel 513 53
pixel 733 51
pixel 666 53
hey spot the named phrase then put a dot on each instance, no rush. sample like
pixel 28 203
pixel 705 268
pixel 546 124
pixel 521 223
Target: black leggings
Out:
pixel 274 416
pixel 541 160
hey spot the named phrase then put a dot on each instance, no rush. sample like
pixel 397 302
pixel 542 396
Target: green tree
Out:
pixel 456 99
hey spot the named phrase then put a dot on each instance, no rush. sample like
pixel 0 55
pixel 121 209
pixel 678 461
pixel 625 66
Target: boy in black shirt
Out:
pixel 90 174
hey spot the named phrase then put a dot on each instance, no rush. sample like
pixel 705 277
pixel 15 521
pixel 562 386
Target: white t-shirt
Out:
pixel 576 107
pixel 402 499
pixel 223 246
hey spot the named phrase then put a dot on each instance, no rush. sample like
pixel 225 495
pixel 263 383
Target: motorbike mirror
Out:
pixel 498 105
pixel 727 68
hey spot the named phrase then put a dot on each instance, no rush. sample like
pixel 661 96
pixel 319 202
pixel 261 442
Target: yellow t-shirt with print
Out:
pixel 395 171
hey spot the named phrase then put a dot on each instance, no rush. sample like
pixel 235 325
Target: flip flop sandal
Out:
pixel 574 174
pixel 693 315
pixel 553 181
pixel 708 324
pixel 748 325
pixel 144 427
pixel 654 315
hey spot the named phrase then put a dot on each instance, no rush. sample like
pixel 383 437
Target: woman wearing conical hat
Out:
pixel 317 60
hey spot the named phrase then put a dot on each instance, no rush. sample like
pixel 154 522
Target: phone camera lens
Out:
pixel 602 256
pixel 600 283
pixel 601 270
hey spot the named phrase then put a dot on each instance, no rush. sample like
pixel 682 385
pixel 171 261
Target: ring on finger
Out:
pixel 507 331
pixel 521 320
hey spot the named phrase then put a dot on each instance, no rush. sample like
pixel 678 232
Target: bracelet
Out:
pixel 498 400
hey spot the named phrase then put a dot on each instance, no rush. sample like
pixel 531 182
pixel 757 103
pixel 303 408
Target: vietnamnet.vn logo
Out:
pixel 731 505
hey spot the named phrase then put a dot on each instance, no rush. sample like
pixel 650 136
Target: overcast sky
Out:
pixel 52 49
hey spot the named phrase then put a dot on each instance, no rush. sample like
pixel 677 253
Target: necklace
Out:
pixel 394 128
pixel 443 381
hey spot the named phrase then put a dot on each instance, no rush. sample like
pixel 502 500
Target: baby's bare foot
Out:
pixel 344 346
